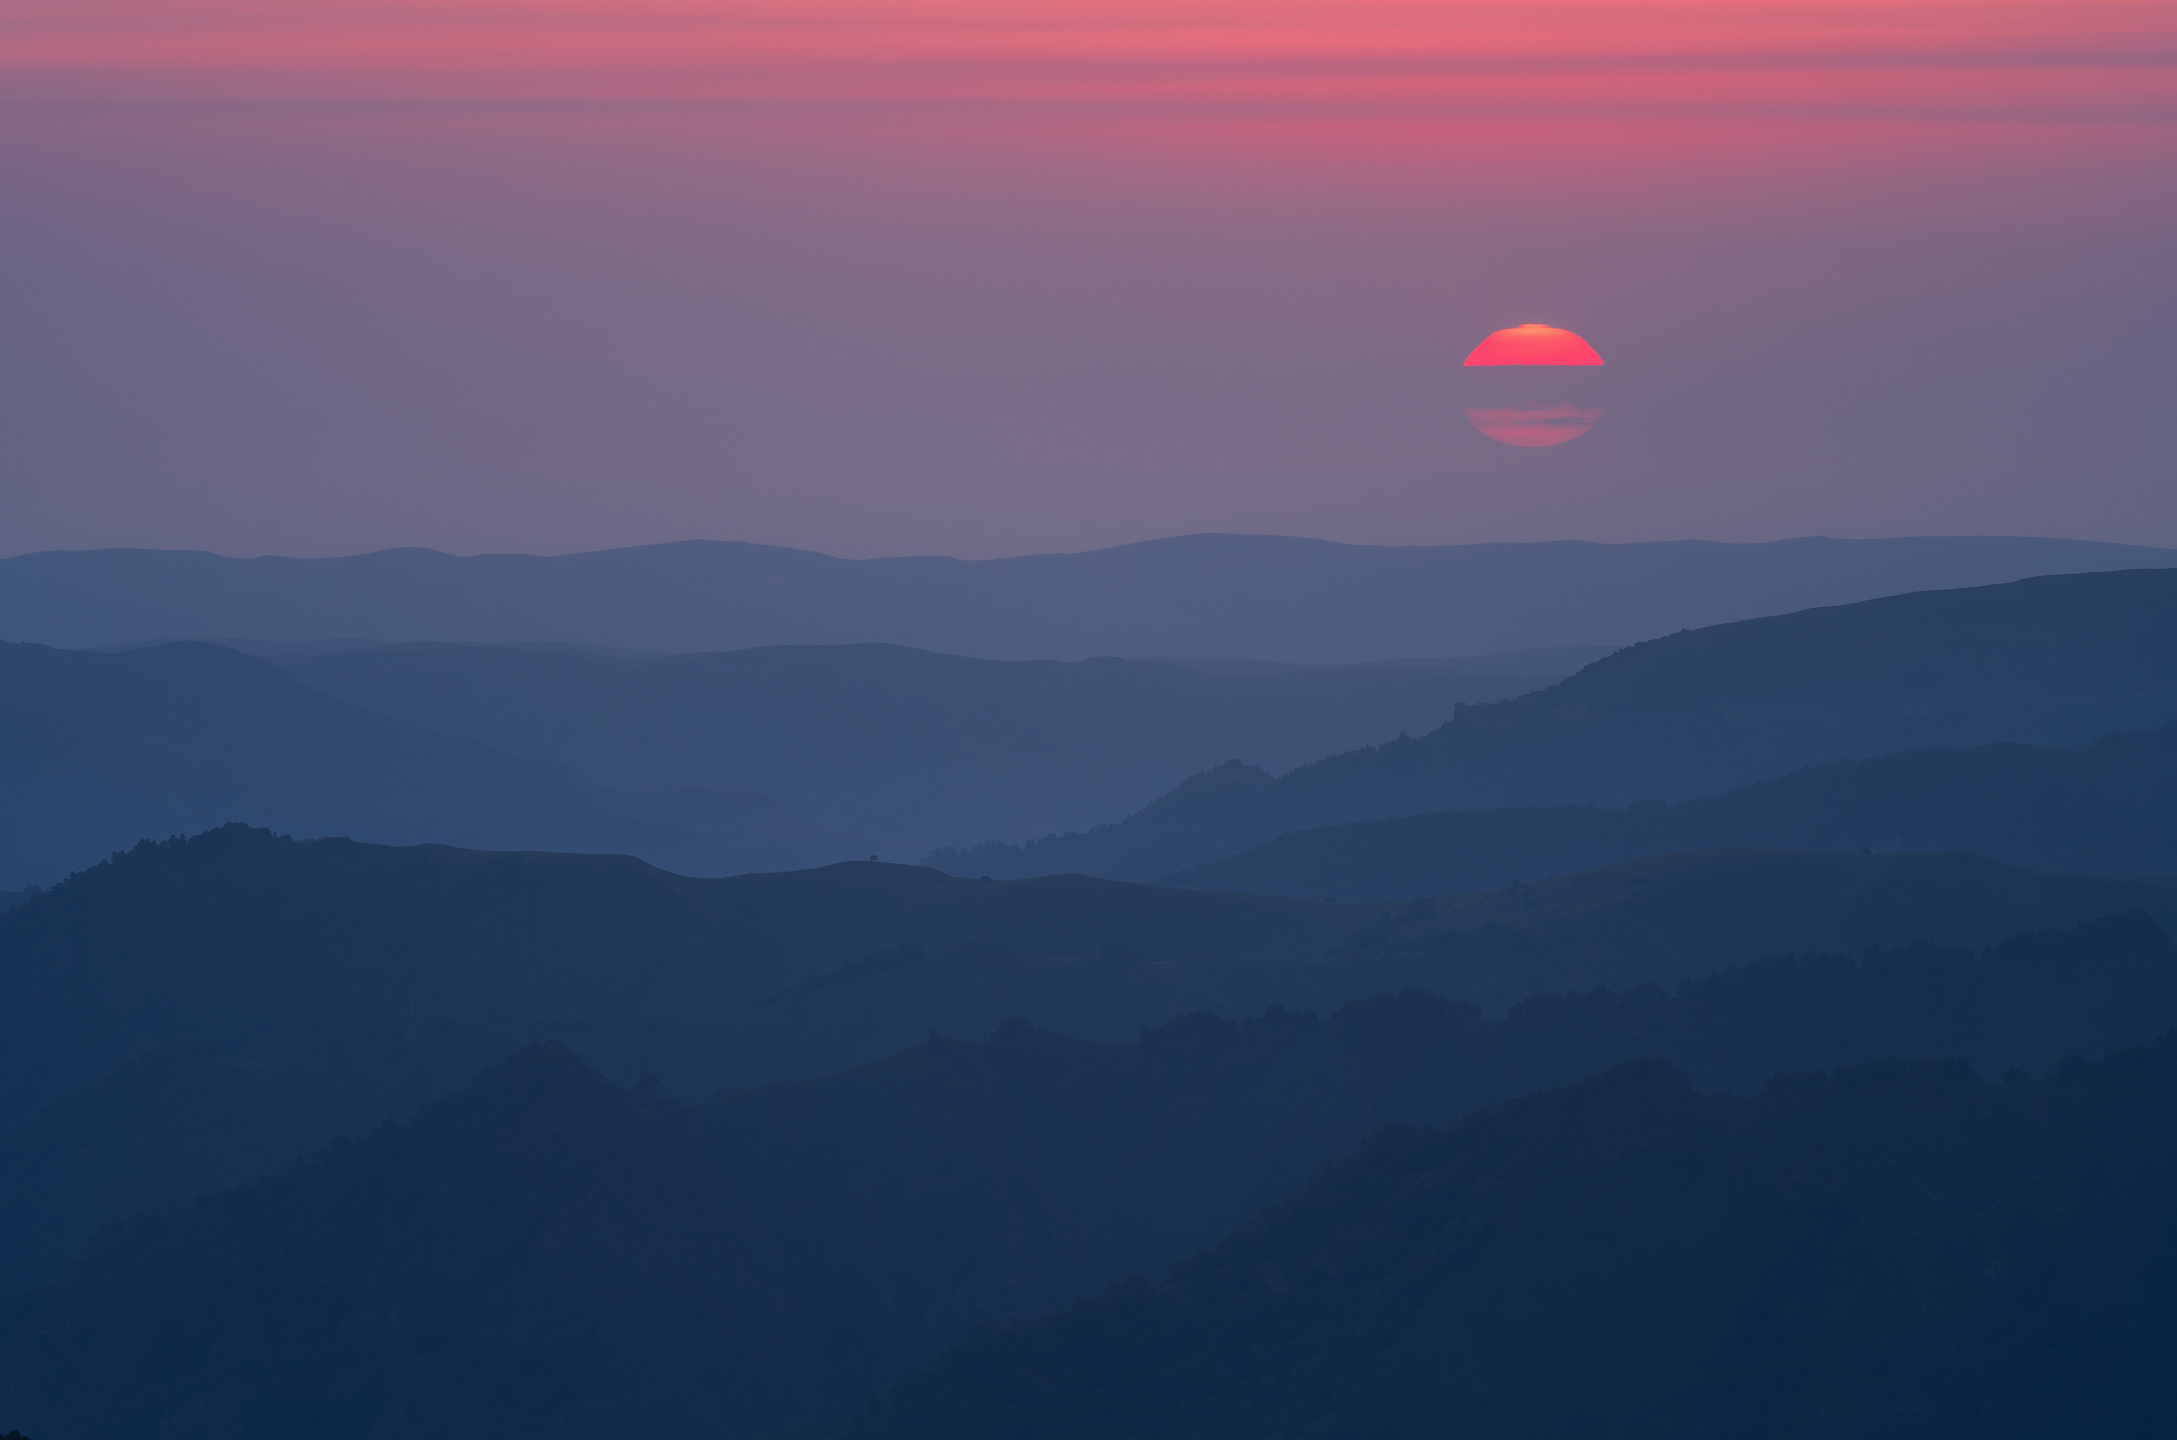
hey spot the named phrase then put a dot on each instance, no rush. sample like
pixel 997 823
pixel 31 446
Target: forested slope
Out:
pixel 1893 1250
pixel 545 1254
pixel 194 1013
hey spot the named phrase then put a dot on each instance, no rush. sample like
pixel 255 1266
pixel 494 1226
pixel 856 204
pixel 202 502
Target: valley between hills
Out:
pixel 493 1038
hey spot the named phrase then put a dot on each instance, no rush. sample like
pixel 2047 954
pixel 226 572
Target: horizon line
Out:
pixel 392 550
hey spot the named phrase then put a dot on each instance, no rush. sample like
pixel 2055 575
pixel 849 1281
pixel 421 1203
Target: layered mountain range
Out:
pixel 2109 805
pixel 1895 1250
pixel 707 764
pixel 1715 1027
pixel 2056 660
pixel 544 1253
pixel 194 1013
pixel 907 747
pixel 104 750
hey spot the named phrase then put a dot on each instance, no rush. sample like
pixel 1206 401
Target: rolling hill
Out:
pixel 102 750
pixel 2109 806
pixel 2055 660
pixel 1265 597
pixel 1659 920
pixel 1898 1250
pixel 545 1254
pixel 263 947
pixel 260 945
pixel 910 748
pixel 192 1014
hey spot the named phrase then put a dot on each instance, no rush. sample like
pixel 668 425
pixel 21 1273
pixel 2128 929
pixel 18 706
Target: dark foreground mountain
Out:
pixel 1659 920
pixel 545 1254
pixel 194 1013
pixel 266 948
pixel 185 1120
pixel 1264 596
pixel 262 945
pixel 2108 806
pixel 2057 660
pixel 1897 1250
pixel 878 740
pixel 101 750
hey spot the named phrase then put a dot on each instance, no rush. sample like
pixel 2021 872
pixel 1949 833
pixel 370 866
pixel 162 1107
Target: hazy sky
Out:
pixel 981 279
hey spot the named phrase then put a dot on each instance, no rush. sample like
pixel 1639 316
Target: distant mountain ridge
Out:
pixel 2057 659
pixel 910 748
pixel 1264 597
pixel 770 759
pixel 100 751
pixel 2109 806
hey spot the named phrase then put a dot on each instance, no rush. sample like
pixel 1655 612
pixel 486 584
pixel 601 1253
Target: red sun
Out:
pixel 1525 395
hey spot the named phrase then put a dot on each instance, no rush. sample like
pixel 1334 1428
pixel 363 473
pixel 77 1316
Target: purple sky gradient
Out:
pixel 327 331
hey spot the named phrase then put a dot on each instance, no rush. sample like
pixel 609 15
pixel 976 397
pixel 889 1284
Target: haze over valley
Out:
pixel 1939 818
pixel 1190 721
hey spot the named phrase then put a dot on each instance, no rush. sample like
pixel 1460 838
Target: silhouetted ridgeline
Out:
pixel 1894 1250
pixel 2054 661
pixel 909 747
pixel 104 749
pixel 262 945
pixel 544 1254
pixel 2108 806
pixel 193 1014
pixel 1266 596
pixel 266 947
